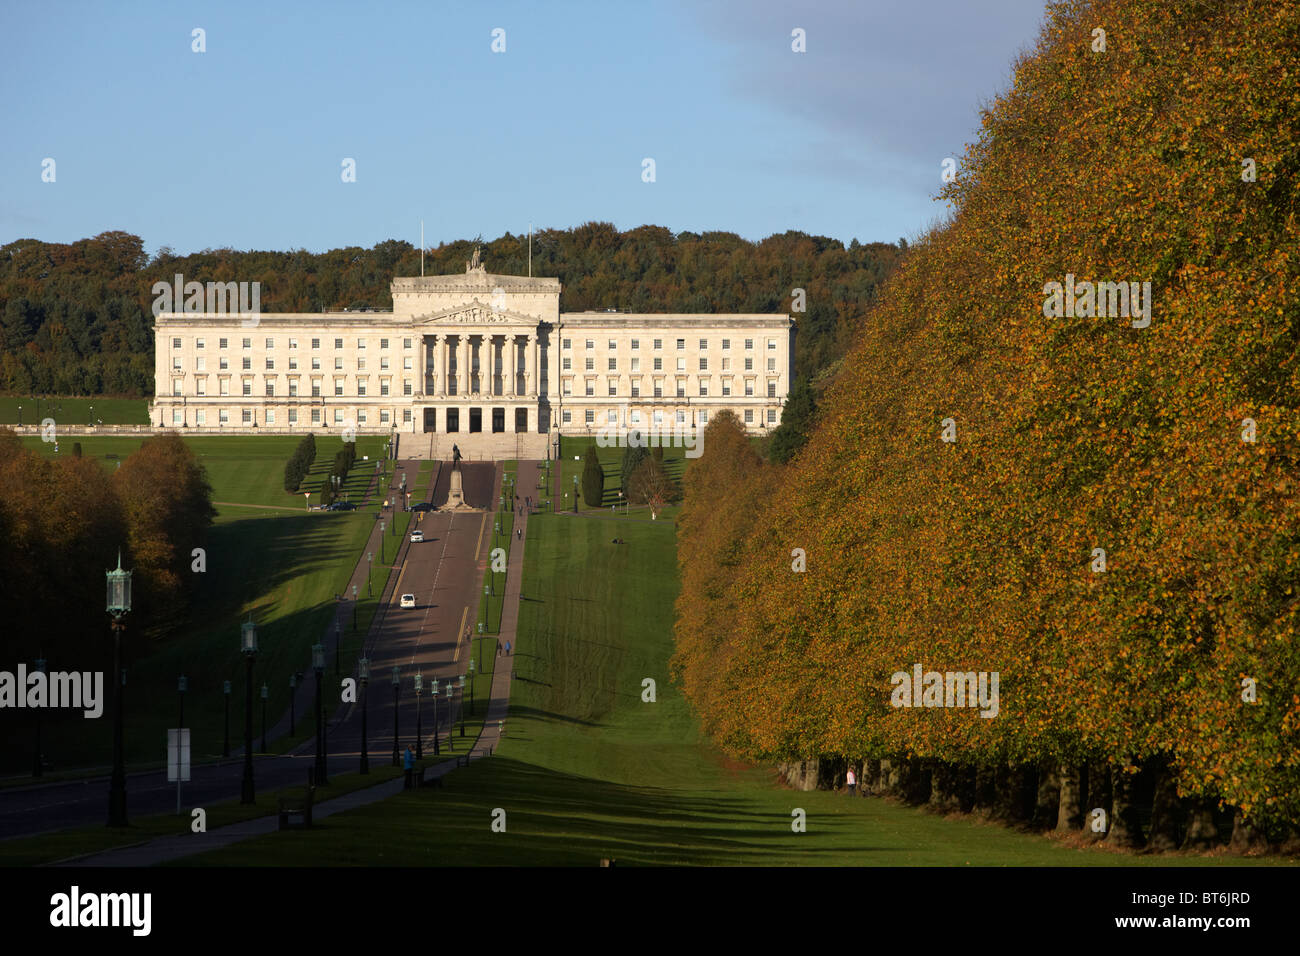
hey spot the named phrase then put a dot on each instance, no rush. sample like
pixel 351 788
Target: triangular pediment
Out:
pixel 476 312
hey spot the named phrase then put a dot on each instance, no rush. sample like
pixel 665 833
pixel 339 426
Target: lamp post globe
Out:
pixel 118 604
pixel 248 647
pixel 363 673
pixel 419 728
pixel 318 665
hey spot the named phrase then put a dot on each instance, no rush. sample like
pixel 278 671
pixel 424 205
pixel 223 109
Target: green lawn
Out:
pixel 588 770
pixel 77 411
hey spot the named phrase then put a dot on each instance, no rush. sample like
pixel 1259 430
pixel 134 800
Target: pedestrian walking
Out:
pixel 519 533
pixel 408 763
pixel 507 648
pixel 852 781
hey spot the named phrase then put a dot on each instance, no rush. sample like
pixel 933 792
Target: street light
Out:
pixel 318 665
pixel 382 551
pixel 363 671
pixel 182 685
pixel 575 494
pixel 338 641
pixel 433 692
pixel 397 687
pixel 248 645
pixel 354 609
pixel 451 729
pixel 480 645
pixel 471 685
pixel 225 746
pixel 265 693
pixel 462 702
pixel 37 769
pixel 370 557
pixel 419 728
pixel 293 694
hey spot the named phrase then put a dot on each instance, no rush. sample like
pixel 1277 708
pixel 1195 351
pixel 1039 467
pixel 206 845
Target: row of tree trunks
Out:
pixel 1095 799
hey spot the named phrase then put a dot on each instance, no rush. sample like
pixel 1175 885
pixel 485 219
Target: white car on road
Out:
pixel 408 600
pixel 417 536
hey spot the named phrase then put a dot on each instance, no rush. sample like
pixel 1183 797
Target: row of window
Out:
pixel 681 389
pixel 681 344
pixel 657 417
pixel 269 417
pixel 223 364
pixel 293 343
pixel 612 364
pixel 223 386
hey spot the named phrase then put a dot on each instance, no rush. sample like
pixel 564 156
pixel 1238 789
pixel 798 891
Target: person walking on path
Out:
pixel 507 648
pixel 852 781
pixel 408 762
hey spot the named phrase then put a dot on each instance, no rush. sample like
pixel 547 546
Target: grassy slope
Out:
pixel 587 770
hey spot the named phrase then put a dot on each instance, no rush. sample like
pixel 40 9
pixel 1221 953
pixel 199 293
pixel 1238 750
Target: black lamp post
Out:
pixel 338 642
pixel 575 494
pixel 451 726
pixel 248 645
pixel 382 548
pixel 293 694
pixel 354 609
pixel 370 557
pixel 480 645
pixel 419 727
pixel 265 693
pixel 471 685
pixel 462 702
pixel 397 689
pixel 433 692
pixel 318 665
pixel 225 744
pixel 363 671
pixel 182 685
pixel 37 769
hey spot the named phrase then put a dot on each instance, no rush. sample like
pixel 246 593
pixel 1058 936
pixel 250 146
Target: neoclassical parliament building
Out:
pixel 485 361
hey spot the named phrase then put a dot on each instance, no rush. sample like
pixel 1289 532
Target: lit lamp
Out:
pixel 363 672
pixel 225 746
pixel 248 646
pixel 419 728
pixel 471 685
pixel 451 729
pixel 397 687
pixel 382 551
pixel 433 692
pixel 318 665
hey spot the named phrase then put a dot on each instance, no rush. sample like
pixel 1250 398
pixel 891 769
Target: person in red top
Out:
pixel 852 781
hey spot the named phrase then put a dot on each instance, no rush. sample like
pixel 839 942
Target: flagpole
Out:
pixel 530 250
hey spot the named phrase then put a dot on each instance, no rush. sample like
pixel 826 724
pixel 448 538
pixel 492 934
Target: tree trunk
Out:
pixel 1202 834
pixel 1164 814
pixel 985 791
pixel 1069 813
pixel 1047 799
pixel 871 772
pixel 1099 798
pixel 1245 837
pixel 1125 830
pixel 945 783
pixel 1009 794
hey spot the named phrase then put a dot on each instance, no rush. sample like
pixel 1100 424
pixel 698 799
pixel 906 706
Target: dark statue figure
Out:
pixel 455 454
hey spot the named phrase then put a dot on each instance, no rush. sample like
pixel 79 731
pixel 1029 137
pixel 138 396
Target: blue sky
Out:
pixel 243 145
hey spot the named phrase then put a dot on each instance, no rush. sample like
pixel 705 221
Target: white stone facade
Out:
pixel 482 360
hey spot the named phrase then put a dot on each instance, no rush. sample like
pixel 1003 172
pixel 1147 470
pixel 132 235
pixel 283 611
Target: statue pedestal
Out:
pixel 456 494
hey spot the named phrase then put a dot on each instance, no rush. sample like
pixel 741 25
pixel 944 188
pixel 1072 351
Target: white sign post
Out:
pixel 178 759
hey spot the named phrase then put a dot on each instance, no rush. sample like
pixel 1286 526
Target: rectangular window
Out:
pixel 749 416
pixel 636 344
pixel 612 417
pixel 338 416
pixel 293 416
pixel 315 343
pixel 270 344
pixel 771 389
pixel 383 343
pixel 176 386
pixel 176 343
pixel 361 388
pixel 636 389
pixel 567 416
pixel 198 343
pixel 590 416
pixel 383 416
pixel 636 365
pixel 659 344
pixel 248 387
pixel 771 365
pixel 771 416
pixel 361 343
pixel 338 343
pixel 201 416
pixel 199 364
pixel 590 344
pixel 176 363
pixel 568 343
pixel 749 364
pixel 704 389
pixel 659 391
pixel 681 343
pixel 406 387
pixel 383 387
pixel 704 344
pixel 293 364
pixel 248 363
pixel 247 416
pixel 567 364
pixel 703 416
pixel 771 345
pixel 361 365
pixel 704 363
pixel 270 416
pixel 591 389
pixel 338 363
pixel 726 388
pixel 361 416
pixel 202 385
pixel 270 389
pixel 315 388
pixel 591 364
pixel 681 391
pixel 613 345
pixel 248 343
pixel 726 345
pixel 406 363
pixel 315 416
pixel 749 388
pixel 315 363
pixel 749 345
pixel 406 343
pixel 613 388
pixel 293 389
pixel 222 363
pixel 659 364
pixel 406 415
pixel 223 387
pixel 293 343
pixel 270 363
pixel 383 363
pixel 338 387
pixel 221 343
pixel 681 365
pixel 223 417
pixel 613 365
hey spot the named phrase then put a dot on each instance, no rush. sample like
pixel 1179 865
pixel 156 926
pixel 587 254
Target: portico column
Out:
pixel 508 364
pixel 462 363
pixel 532 380
pixel 445 372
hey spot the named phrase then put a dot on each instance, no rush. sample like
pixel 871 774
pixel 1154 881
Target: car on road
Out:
pixel 417 536
pixel 408 600
pixel 343 506
pixel 422 506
